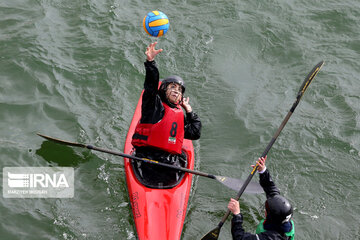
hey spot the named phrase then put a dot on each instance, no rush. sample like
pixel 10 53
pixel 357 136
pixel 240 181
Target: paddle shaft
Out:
pixel 302 89
pixel 231 183
pixel 74 144
pixel 150 161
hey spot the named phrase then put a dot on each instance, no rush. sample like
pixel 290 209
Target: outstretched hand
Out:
pixel 151 52
pixel 261 164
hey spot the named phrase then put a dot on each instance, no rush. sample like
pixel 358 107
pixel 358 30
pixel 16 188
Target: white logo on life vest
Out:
pixel 172 140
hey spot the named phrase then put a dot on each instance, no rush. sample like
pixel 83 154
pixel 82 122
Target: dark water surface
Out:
pixel 74 70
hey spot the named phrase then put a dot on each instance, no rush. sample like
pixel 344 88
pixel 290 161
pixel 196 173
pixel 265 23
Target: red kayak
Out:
pixel 159 213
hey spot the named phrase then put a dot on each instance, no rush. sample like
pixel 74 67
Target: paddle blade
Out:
pixel 235 184
pixel 309 78
pixel 212 235
pixel 61 141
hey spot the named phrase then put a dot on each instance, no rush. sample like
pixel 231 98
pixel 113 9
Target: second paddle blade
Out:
pixel 236 184
pixel 212 235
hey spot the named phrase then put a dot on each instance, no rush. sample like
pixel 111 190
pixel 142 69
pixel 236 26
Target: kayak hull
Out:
pixel 158 214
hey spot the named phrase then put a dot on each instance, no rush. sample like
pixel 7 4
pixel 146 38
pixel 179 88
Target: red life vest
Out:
pixel 167 134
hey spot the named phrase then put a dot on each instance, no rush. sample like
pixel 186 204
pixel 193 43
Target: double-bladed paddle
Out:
pixel 214 234
pixel 231 183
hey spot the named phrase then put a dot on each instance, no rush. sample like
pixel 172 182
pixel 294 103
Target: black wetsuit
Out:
pixel 237 229
pixel 152 111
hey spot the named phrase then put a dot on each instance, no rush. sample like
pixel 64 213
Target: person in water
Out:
pixel 278 212
pixel 163 125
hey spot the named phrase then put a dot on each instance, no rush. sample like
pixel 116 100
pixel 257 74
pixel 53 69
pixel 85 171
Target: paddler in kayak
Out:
pixel 163 125
pixel 278 212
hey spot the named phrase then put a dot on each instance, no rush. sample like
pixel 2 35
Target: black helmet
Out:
pixel 172 79
pixel 278 209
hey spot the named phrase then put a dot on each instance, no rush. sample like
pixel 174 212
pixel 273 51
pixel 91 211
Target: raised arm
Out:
pixel 265 179
pixel 151 103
